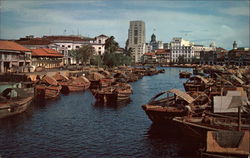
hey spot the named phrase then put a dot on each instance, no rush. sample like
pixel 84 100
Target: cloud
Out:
pixel 236 11
pixel 92 18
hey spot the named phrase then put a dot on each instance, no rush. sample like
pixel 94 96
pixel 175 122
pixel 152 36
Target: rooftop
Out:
pixel 11 45
pixel 46 52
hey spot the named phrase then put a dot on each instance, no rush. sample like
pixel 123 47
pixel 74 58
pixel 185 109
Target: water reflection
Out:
pixel 165 140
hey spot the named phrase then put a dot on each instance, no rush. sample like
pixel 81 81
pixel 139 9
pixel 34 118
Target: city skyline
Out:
pixel 201 22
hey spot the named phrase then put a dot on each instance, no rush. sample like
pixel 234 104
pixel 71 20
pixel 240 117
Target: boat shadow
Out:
pixel 113 105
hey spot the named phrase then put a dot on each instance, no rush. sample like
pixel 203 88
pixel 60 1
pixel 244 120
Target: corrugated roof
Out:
pixel 46 52
pixel 183 95
pixel 10 45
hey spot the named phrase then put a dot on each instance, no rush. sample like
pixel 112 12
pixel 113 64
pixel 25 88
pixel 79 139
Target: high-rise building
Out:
pixel 136 39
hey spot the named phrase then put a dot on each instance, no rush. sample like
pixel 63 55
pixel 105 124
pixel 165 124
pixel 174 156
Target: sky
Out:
pixel 201 22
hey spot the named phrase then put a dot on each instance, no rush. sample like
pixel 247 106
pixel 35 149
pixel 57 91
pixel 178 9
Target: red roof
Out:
pixel 162 51
pixel 46 52
pixel 10 45
pixel 70 38
pixel 34 41
pixel 149 54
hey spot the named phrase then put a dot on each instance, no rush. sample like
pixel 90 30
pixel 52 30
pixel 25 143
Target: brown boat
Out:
pixel 175 103
pixel 14 101
pixel 115 93
pixel 75 84
pixel 94 78
pixel 48 88
pixel 224 144
pixel 223 118
pixel 185 74
pixel 196 83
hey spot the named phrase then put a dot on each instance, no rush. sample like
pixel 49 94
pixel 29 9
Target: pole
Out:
pixel 239 118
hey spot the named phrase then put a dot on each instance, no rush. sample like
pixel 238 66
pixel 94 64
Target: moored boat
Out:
pixel 185 74
pixel 48 88
pixel 175 103
pixel 14 101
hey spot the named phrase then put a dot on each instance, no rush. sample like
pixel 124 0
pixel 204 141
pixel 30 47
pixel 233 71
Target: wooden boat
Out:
pixel 184 74
pixel 72 84
pixel 198 126
pixel 48 88
pixel 175 103
pixel 75 84
pixel 196 83
pixel 94 78
pixel 115 93
pixel 14 101
pixel 224 144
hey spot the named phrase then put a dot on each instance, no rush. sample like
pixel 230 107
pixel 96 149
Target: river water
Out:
pixel 74 126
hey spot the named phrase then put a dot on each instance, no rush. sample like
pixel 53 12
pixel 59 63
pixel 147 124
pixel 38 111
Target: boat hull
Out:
pixel 14 108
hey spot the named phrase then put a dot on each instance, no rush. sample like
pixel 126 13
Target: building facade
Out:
pixel 14 57
pixel 155 44
pixel 136 39
pixel 47 58
pixel 181 49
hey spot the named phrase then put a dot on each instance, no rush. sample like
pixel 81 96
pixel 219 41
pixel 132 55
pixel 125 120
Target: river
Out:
pixel 73 126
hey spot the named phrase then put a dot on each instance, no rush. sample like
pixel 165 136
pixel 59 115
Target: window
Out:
pixel 135 40
pixel 62 45
pixel 99 41
pixel 63 52
pixel 77 47
pixel 100 48
pixel 69 46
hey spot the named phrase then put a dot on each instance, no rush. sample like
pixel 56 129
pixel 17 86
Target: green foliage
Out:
pixel 116 59
pixel 111 45
pixel 96 60
pixel 83 54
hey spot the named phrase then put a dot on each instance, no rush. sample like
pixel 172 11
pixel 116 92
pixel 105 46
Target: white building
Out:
pixel 99 44
pixel 136 39
pixel 180 47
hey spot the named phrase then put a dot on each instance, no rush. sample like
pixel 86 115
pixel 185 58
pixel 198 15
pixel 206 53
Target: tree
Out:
pixel 128 52
pixel 116 59
pixel 83 54
pixel 111 45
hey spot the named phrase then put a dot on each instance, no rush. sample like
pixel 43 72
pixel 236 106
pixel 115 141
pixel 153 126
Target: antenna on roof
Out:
pixel 64 31
pixel 77 31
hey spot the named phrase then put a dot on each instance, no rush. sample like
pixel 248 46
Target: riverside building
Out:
pixel 136 39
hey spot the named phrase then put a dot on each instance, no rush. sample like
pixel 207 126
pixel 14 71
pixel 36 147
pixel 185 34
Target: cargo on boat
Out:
pixel 72 84
pixel 47 88
pixel 14 101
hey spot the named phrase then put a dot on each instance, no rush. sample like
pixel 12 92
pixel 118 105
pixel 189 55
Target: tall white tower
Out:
pixel 136 39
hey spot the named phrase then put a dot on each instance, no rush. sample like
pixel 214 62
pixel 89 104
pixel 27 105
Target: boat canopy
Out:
pixel 201 78
pixel 237 79
pixel 183 95
pixel 50 80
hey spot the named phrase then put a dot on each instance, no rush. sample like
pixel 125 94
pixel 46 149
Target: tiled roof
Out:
pixel 34 41
pixel 46 52
pixel 162 51
pixel 10 45
pixel 149 54
pixel 67 38
pixel 102 35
